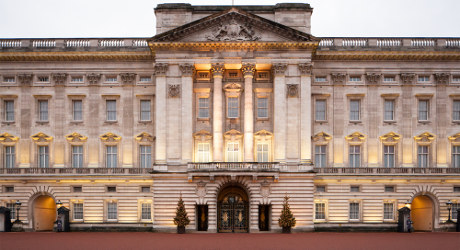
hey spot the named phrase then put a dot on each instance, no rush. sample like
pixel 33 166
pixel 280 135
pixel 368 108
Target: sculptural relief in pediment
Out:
pixel 233 31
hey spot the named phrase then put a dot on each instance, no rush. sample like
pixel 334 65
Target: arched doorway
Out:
pixel 233 210
pixel 44 209
pixel 422 213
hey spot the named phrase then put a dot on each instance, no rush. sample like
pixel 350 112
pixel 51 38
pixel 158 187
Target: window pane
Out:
pixel 320 112
pixel 10 156
pixel 232 103
pixel 111 110
pixel 145 156
pixel 77 156
pixel 388 156
pixel 111 157
pixel 43 110
pixel 146 212
pixel 423 110
pixel 354 211
pixel 112 211
pixel 320 211
pixel 456 110
pixel 145 110
pixel 262 107
pixel 354 110
pixel 43 157
pixel 320 156
pixel 262 152
pixel 456 156
pixel 232 152
pixel 9 111
pixel 388 211
pixel 203 152
pixel 78 211
pixel 77 110
pixel 203 108
pixel 422 156
pixel 389 110
pixel 355 156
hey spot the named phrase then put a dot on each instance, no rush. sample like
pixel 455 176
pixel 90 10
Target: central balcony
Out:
pixel 234 166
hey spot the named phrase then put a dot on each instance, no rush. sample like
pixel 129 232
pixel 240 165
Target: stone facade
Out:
pixel 231 108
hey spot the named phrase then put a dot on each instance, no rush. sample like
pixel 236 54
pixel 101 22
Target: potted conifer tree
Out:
pixel 286 220
pixel 181 219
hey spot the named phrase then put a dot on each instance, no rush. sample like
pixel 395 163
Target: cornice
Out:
pixel 387 55
pixel 77 56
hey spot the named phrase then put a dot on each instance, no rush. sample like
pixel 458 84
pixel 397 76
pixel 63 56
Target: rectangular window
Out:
pixel 262 107
pixel 145 189
pixel 389 189
pixel 320 211
pixel 10 156
pixel 203 108
pixel 111 108
pixel 389 110
pixel 456 79
pixel 355 110
pixel 456 156
pixel 9 110
pixel 389 79
pixel 43 79
pixel 355 78
pixel 388 156
pixel 76 79
pixel 145 160
pixel 112 210
pixel 77 156
pixel 43 157
pixel 9 189
pixel 77 189
pixel 422 156
pixel 12 207
pixel 388 211
pixel 423 110
pixel 457 189
pixel 9 79
pixel 320 156
pixel 423 78
pixel 145 79
pixel 78 211
pixel 320 189
pixel 320 79
pixel 233 151
pixel 320 110
pixel 145 110
pixel 354 189
pixel 355 156
pixel 146 213
pixel 111 189
pixel 77 106
pixel 111 157
pixel 455 207
pixel 262 152
pixel 456 110
pixel 232 107
pixel 203 152
pixel 111 79
pixel 43 110
pixel 354 211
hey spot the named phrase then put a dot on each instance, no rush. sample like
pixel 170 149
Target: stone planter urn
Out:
pixel 286 230
pixel 181 230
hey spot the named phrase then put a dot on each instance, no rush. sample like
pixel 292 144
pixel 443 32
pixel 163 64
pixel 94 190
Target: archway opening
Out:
pixel 422 213
pixel 233 210
pixel 44 209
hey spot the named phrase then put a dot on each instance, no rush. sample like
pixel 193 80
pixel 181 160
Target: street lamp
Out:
pixel 408 204
pixel 449 207
pixel 18 206
pixel 59 203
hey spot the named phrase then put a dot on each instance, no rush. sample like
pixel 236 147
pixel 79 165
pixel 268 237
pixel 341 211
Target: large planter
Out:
pixel 286 230
pixel 180 230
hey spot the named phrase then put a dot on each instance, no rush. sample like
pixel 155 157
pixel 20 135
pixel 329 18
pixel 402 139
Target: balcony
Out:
pixel 234 166
pixel 387 171
pixel 75 171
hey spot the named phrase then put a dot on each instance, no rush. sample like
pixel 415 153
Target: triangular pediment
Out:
pixel 233 25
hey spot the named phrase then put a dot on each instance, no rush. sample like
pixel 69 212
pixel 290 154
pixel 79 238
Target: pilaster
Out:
pixel 160 113
pixel 279 122
pixel 217 71
pixel 305 111
pixel 187 118
pixel 248 73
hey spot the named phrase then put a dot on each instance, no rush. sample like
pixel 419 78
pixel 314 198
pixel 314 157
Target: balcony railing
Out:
pixel 389 42
pixel 234 166
pixel 75 171
pixel 73 43
pixel 385 171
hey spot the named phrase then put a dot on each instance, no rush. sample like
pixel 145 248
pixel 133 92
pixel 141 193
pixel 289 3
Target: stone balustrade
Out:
pixel 73 43
pixel 236 166
pixel 387 171
pixel 75 171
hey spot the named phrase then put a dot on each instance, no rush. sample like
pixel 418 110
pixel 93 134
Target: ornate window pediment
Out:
pixel 202 135
pixel 322 138
pixel 263 135
pixel 424 139
pixel 355 138
pixel 233 134
pixel 455 139
pixel 76 138
pixel 145 137
pixel 233 88
pixel 390 138
pixel 42 138
pixel 110 138
pixel 8 139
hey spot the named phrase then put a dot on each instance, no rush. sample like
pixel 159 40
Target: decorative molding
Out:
pixel 160 69
pixel 248 69
pixel 187 69
pixel 424 139
pixel 355 139
pixel 202 135
pixel 200 46
pixel 392 55
pixel 373 78
pixel 338 77
pixel 145 137
pixel 8 139
pixel 110 138
pixel 233 134
pixel 455 139
pixel 233 31
pixel 322 138
pixel 391 138
pixel 59 78
pixel 292 90
pixel 217 70
pixel 407 78
pixel 76 138
pixel 41 138
pixel 77 56
pixel 233 87
pixel 201 190
pixel 279 68
pixel 305 68
pixel 173 90
pixel 128 78
pixel 93 78
pixel 25 79
pixel 442 78
pixel 263 133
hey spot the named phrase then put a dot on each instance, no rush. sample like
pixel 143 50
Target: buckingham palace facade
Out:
pixel 231 108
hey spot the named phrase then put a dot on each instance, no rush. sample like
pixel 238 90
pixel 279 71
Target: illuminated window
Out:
pixel 77 156
pixel 355 156
pixel 262 107
pixel 77 106
pixel 111 156
pixel 423 110
pixel 232 107
pixel 262 152
pixel 203 107
pixel 320 211
pixel 320 110
pixel 233 151
pixel 456 156
pixel 145 160
pixel 43 110
pixel 422 156
pixel 146 213
pixel 388 156
pixel 43 157
pixel 389 114
pixel 9 110
pixel 320 156
pixel 354 211
pixel 388 211
pixel 10 156
pixel 78 211
pixel 112 212
pixel 145 110
pixel 203 153
pixel 111 108
pixel 355 110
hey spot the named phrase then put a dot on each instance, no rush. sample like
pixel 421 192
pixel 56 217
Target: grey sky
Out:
pixel 135 18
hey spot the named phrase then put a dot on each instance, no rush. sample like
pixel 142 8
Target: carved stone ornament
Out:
pixel 338 77
pixel 305 68
pixel 424 139
pixel 145 137
pixel 233 31
pixel 93 78
pixel 59 78
pixel 42 138
pixel 322 138
pixel 442 78
pixel 161 69
pixel 202 135
pixel 265 189
pixel 75 138
pixel 355 138
pixel 248 69
pixel 263 135
pixel 373 78
pixel 407 78
pixel 110 138
pixel 292 90
pixel 279 68
pixel 233 87
pixel 233 134
pixel 8 139
pixel 390 138
pixel 217 69
pixel 128 78
pixel 173 90
pixel 201 189
pixel 455 139
pixel 187 69
pixel 25 79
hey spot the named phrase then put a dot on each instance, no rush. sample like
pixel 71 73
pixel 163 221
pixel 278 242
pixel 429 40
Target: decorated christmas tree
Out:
pixel 286 220
pixel 181 219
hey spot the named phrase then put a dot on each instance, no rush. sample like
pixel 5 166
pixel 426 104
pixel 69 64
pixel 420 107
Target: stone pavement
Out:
pixel 146 240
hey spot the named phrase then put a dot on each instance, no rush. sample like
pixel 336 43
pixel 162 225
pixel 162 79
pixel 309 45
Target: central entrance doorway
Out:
pixel 233 210
pixel 44 209
pixel 422 213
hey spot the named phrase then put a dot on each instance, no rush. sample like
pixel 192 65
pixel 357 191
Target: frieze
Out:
pixel 442 78
pixel 233 31
pixel 187 69
pixel 338 77
pixel 373 78
pixel 407 78
pixel 305 68
pixel 128 78
pixel 25 79
pixel 279 68
pixel 173 90
pixel 292 90
pixel 93 78
pixel 161 69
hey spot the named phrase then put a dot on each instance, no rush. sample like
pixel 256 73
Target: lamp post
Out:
pixel 449 207
pixel 59 203
pixel 18 207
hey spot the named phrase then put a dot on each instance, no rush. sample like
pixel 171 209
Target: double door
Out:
pixel 233 215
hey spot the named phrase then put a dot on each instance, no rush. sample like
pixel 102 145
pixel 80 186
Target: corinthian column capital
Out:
pixel 248 69
pixel 160 69
pixel 217 70
pixel 187 69
pixel 279 68
pixel 305 68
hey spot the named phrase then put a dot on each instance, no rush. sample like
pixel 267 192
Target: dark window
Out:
pixel 111 189
pixel 145 189
pixel 77 189
pixel 320 188
pixel 389 189
pixel 9 189
pixel 354 189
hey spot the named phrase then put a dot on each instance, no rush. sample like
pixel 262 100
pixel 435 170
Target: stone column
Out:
pixel 248 72
pixel 160 113
pixel 305 111
pixel 187 112
pixel 217 138
pixel 279 121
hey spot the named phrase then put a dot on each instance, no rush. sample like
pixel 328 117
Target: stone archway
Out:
pixel 44 213
pixel 422 213
pixel 233 210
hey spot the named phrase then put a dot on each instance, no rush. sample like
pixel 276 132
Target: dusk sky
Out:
pixel 135 18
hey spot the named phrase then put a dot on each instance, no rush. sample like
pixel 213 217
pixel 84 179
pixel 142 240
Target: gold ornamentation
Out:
pixel 217 69
pixel 233 134
pixel 233 31
pixel 202 135
pixel 248 69
pixel 425 139
pixel 76 138
pixel 110 138
pixel 41 138
pixel 145 137
pixel 355 138
pixel 455 139
pixel 390 138
pixel 322 138
pixel 8 139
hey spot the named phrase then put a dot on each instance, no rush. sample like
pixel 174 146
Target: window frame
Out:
pixel 261 108
pixel 145 158
pixel 41 113
pixel 420 162
pixel 356 204
pixel 110 112
pixel 322 154
pixel 9 157
pixel 317 101
pixel 231 108
pixel 391 112
pixel 204 108
pixel 264 152
pixel 143 112
pixel 455 156
pixel 353 112
pixel 79 155
pixel 426 112
pixel 114 205
pixel 75 111
pixel 388 154
pixel 112 155
pixel 323 211
pixel 234 152
pixel 352 154
pixel 7 111
pixel 387 211
pixel 201 154
pixel 149 212
pixel 75 211
pixel 456 112
pixel 43 158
